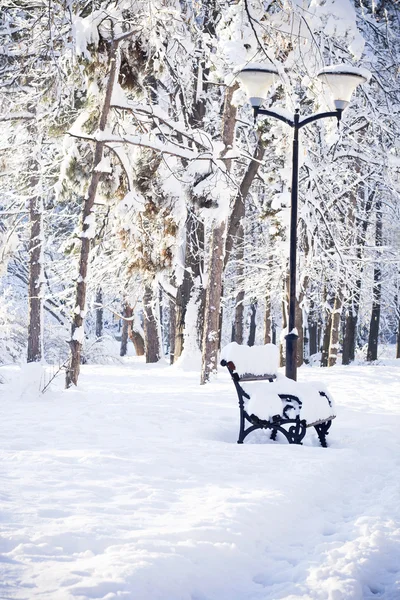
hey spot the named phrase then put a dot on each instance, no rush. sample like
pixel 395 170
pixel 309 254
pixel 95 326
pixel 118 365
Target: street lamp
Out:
pixel 341 81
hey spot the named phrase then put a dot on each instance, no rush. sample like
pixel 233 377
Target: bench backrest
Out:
pixel 251 363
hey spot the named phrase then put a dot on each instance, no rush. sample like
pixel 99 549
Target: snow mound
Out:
pixel 255 360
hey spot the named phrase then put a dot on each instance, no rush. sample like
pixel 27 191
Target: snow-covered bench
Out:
pixel 269 400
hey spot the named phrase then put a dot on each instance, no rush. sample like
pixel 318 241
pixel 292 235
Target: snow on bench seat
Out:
pixel 265 402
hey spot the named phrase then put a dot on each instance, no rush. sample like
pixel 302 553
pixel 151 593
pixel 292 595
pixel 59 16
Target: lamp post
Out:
pixel 256 79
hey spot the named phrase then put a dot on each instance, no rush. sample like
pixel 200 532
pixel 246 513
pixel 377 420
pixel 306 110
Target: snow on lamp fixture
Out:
pixel 342 80
pixel 256 79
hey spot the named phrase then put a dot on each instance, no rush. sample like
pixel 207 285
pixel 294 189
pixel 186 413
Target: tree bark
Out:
pixel 35 277
pixel 126 327
pixel 99 313
pixel 213 302
pixel 72 372
pixel 349 337
pixel 282 361
pixel 252 330
pixel 372 352
pixel 313 336
pixel 299 323
pixel 335 330
pixel 398 340
pixel 326 339
pixel 172 331
pixel 238 325
pixel 151 341
pixel 138 342
pixel 267 321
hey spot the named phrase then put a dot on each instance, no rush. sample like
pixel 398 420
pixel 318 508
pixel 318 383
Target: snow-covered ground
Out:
pixel 132 486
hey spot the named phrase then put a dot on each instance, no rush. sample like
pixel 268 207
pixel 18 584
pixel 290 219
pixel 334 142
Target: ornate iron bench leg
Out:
pixel 273 435
pixel 322 431
pixel 242 423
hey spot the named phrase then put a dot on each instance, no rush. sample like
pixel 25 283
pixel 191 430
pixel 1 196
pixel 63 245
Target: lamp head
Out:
pixel 256 79
pixel 342 80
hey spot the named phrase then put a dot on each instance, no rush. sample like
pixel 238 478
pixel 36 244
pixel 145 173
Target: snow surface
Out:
pixel 133 487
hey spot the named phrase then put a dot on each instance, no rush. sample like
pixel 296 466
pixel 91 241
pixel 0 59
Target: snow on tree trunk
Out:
pixel 72 372
pixel 35 274
pixel 151 339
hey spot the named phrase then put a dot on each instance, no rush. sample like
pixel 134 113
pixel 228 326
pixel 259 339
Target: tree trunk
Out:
pixel 213 302
pixel 335 330
pixel 151 341
pixel 267 321
pixel 300 328
pixel 137 341
pixel 398 340
pixel 252 331
pixel 194 246
pixel 72 372
pixel 372 352
pixel 349 338
pixel 350 329
pixel 313 336
pixel 126 328
pixel 35 277
pixel 211 335
pixel 99 313
pixel 172 331
pixel 326 340
pixel 282 361
pixel 238 325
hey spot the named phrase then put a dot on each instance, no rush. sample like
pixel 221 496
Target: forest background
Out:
pixel 140 202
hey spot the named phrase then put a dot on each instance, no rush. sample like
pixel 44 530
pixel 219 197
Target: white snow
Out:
pixel 104 166
pixel 350 69
pixel 257 360
pixel 90 221
pixel 132 487
pixel 79 334
pixel 265 403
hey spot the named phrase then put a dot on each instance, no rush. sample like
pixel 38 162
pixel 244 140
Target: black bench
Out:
pixel 289 421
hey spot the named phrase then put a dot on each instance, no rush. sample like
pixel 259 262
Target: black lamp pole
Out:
pixel 297 124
